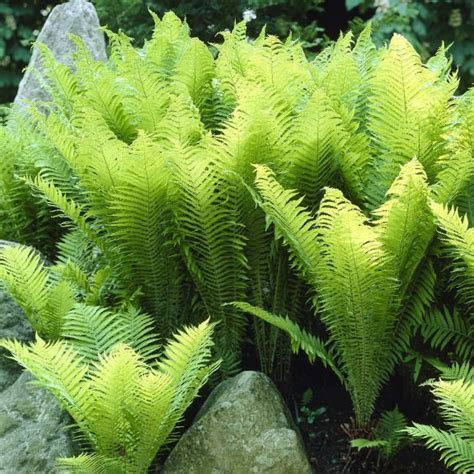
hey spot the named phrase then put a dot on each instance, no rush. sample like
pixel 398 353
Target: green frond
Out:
pixel 457 371
pixel 357 294
pixel 292 221
pixel 211 240
pixel 318 141
pixel 195 70
pixel 67 208
pixel 57 368
pixel 140 226
pixel 458 243
pixel 60 80
pixel 456 453
pixel 90 463
pixel 405 221
pixel 407 115
pixel 443 327
pixel 45 303
pixel 94 331
pixel 312 346
pixel 455 397
pixel 125 409
pixel 187 353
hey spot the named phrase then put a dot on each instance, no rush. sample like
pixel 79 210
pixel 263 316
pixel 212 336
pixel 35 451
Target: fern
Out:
pixel 45 302
pixel 109 399
pixel 389 435
pixel 442 328
pixel 455 397
pixel 312 346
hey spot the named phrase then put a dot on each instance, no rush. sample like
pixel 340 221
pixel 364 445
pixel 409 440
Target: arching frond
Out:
pixel 25 277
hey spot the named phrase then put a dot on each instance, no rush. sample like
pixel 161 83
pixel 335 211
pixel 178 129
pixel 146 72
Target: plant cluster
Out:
pixel 335 191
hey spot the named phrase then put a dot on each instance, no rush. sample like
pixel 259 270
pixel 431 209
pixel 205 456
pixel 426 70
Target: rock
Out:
pixel 32 429
pixel 77 17
pixel 244 427
pixel 13 325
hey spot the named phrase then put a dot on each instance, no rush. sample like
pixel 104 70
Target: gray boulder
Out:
pixel 77 17
pixel 244 427
pixel 13 325
pixel 32 429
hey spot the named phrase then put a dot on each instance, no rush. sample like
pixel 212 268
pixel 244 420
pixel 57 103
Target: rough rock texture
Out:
pixel 13 325
pixel 32 429
pixel 77 17
pixel 244 427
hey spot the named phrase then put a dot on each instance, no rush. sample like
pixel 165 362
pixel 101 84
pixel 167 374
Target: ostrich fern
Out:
pixel 147 162
pixel 454 393
pixel 361 272
pixel 110 398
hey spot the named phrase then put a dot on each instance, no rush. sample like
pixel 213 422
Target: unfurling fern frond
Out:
pixel 455 397
pixel 110 399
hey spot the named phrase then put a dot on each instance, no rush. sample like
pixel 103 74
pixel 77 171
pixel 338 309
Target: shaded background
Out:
pixel 317 22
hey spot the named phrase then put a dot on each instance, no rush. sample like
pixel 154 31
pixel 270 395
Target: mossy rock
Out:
pixel 244 427
pixel 13 325
pixel 33 429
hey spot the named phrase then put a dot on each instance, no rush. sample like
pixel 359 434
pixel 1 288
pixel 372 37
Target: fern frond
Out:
pixel 442 328
pixel 405 221
pixel 357 293
pixel 45 303
pixel 90 463
pixel 111 398
pixel 312 346
pixel 67 208
pixel 60 370
pixel 458 242
pixel 93 331
pixel 456 453
pixel 140 226
pixel 292 221
pixel 211 240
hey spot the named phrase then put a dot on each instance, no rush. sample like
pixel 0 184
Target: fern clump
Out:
pixel 111 394
pixel 147 165
pixel 362 273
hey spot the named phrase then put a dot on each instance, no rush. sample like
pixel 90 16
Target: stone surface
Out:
pixel 77 17
pixel 13 325
pixel 244 427
pixel 32 429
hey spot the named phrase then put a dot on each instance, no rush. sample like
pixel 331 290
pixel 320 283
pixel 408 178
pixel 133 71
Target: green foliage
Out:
pixel 44 301
pixel 454 393
pixel 109 399
pixel 148 164
pixel 388 434
pixel 361 273
pixel 427 24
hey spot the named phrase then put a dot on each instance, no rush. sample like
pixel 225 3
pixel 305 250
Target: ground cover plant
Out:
pixel 330 197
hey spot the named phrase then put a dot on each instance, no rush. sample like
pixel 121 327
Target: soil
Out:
pixel 328 444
